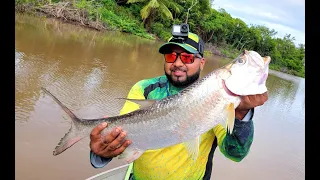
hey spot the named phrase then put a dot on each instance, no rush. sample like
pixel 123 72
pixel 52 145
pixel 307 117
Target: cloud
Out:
pixel 284 16
pixel 283 30
pixel 296 2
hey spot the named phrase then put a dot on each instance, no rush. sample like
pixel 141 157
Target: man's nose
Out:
pixel 178 62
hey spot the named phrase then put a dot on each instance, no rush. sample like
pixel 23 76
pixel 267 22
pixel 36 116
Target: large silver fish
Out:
pixel 183 117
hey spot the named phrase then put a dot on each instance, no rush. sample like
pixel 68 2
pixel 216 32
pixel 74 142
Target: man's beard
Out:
pixel 190 79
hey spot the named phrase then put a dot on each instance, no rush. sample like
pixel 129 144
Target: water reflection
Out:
pixel 288 96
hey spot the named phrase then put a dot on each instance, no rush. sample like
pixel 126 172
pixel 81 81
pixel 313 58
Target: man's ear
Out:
pixel 202 63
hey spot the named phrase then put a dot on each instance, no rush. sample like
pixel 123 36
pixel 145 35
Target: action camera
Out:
pixel 181 30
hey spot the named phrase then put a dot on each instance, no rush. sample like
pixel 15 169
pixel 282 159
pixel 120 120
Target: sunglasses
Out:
pixel 186 58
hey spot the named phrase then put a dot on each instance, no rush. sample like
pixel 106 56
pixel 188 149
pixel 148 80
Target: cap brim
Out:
pixel 166 48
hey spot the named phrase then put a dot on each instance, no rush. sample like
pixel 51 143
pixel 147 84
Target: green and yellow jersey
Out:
pixel 174 162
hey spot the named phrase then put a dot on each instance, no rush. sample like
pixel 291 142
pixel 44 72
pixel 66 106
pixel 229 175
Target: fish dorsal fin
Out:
pixel 192 148
pixel 143 103
pixel 230 117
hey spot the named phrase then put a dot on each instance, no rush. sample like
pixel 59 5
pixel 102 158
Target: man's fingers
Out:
pixel 255 100
pixel 121 148
pixel 117 142
pixel 97 130
pixel 265 96
pixel 245 98
pixel 259 99
pixel 111 136
pixel 117 151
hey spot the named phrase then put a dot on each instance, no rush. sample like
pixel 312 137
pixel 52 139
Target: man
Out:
pixel 183 63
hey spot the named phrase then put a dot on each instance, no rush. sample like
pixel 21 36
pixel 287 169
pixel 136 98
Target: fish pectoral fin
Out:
pixel 130 155
pixel 193 147
pixel 230 117
pixel 143 103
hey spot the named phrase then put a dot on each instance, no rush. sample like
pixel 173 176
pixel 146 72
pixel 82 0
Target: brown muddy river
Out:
pixel 87 70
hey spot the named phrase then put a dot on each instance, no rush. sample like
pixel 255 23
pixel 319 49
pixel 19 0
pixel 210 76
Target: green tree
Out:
pixel 152 8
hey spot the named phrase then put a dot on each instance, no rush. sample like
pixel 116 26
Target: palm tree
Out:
pixel 153 7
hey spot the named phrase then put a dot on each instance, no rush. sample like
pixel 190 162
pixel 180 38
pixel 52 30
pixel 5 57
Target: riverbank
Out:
pixel 67 12
pixel 221 37
pixel 63 11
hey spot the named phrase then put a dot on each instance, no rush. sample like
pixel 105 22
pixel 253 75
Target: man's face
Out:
pixel 180 74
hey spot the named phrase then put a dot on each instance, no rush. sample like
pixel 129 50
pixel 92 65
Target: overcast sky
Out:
pixel 284 16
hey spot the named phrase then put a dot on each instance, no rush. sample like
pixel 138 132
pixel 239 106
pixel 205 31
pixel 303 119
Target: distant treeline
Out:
pixel 154 19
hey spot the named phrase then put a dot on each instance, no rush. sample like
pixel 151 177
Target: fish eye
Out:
pixel 241 61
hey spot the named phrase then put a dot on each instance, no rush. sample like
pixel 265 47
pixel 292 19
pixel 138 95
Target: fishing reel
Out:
pixel 180 32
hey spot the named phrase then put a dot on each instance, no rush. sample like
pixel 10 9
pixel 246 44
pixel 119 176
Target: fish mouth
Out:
pixel 228 90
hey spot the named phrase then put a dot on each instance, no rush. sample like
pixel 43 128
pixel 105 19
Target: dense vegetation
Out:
pixel 222 33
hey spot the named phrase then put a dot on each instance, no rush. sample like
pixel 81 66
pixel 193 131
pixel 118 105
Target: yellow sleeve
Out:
pixel 220 132
pixel 136 92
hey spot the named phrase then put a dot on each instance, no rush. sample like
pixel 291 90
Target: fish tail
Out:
pixel 73 135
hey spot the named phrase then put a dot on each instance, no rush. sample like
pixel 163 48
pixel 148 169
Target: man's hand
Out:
pixel 108 146
pixel 249 102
